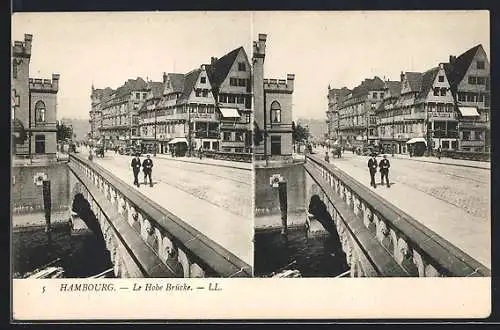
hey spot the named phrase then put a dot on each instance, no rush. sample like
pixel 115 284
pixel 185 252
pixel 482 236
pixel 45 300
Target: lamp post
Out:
pixel 155 142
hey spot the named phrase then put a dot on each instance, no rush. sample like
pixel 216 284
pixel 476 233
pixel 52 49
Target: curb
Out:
pixel 219 165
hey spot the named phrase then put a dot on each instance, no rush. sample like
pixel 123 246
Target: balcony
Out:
pixel 234 126
pixel 207 135
pixel 44 127
pixel 232 144
pixel 471 143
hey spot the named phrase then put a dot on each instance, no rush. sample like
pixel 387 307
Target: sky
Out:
pixel 320 48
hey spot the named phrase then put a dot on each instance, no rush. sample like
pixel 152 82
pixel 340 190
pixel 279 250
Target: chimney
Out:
pixel 402 76
pixel 452 59
pixel 164 77
pixel 289 80
pixel 55 81
pixel 213 60
pixel 28 38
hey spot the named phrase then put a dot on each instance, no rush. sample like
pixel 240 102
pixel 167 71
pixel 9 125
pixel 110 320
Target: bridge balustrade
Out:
pixel 378 238
pixel 146 240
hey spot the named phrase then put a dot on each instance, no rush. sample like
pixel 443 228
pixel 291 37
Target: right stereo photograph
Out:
pixel 372 144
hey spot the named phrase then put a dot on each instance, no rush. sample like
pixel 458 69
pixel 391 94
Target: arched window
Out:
pixel 275 112
pixel 40 112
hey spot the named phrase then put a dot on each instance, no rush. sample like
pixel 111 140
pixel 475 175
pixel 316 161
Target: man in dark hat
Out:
pixel 384 170
pixel 147 168
pixel 372 167
pixel 136 168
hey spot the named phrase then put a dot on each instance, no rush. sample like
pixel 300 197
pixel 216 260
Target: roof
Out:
pixel 189 82
pixel 394 87
pixel 368 85
pixel 130 85
pixel 456 71
pixel 177 81
pixel 218 71
pixel 427 81
pixel 229 112
pixel 414 80
pixel 468 111
pixel 156 88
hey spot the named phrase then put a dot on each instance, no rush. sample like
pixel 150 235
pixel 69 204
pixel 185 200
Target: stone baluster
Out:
pixel 138 223
pixel 184 260
pixel 131 214
pixel 196 271
pixel 419 262
pixel 356 205
pixel 431 271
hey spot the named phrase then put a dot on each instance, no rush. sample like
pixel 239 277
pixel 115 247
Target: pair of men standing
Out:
pixel 384 170
pixel 147 169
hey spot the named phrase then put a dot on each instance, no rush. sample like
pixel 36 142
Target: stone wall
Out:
pixel 26 197
pixel 266 197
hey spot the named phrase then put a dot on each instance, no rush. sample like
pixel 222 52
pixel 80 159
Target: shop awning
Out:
pixel 229 112
pixel 468 111
pixel 415 140
pixel 178 140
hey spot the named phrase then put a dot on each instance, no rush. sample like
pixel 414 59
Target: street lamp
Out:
pixel 155 143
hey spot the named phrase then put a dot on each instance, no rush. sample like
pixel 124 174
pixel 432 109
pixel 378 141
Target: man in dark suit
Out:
pixel 147 168
pixel 136 168
pixel 372 166
pixel 384 170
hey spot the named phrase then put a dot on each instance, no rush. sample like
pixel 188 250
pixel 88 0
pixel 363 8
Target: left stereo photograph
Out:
pixel 134 159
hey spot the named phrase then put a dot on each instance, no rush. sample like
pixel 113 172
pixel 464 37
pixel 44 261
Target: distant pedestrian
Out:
pixel 327 158
pixel 147 168
pixel 384 170
pixel 372 166
pixel 439 152
pixel 136 168
pixel 200 151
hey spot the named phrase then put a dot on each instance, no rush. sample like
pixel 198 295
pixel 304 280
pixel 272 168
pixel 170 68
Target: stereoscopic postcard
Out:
pixel 250 165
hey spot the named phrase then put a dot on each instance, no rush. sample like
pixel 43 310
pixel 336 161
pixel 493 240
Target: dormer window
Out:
pixel 480 65
pixel 443 91
pixel 441 78
pixel 203 80
pixel 242 66
pixel 436 91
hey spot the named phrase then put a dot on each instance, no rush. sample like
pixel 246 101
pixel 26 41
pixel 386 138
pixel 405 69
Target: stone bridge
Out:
pixel 380 240
pixel 144 239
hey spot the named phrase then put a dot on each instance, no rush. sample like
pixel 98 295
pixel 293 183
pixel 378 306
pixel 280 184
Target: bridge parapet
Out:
pixel 146 240
pixel 379 239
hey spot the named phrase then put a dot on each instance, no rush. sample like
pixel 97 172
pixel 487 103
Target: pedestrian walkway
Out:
pixel 320 151
pixel 208 161
pixel 447 161
pixel 233 232
pixel 469 233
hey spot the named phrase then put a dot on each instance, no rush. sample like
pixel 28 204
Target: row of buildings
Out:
pixel 447 106
pixel 209 107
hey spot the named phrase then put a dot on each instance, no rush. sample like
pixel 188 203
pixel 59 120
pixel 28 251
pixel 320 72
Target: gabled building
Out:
pixel 171 118
pixel 336 97
pixel 148 123
pixel 469 77
pixel 420 107
pixel 34 107
pixel 230 80
pixel 199 102
pixel 357 119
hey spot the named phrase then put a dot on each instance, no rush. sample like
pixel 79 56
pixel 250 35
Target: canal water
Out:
pixel 316 256
pixel 80 255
